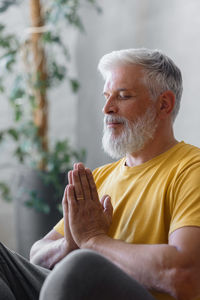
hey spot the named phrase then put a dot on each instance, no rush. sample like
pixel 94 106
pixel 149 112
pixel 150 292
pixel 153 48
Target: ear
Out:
pixel 166 103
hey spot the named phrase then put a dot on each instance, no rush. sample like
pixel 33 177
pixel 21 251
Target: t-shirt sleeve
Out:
pixel 185 207
pixel 59 227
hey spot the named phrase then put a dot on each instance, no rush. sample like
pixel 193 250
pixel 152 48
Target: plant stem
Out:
pixel 40 76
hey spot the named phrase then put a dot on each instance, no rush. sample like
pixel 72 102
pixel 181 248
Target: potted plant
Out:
pixel 35 65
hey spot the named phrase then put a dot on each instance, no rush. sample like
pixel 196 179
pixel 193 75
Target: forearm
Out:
pixel 47 253
pixel 155 266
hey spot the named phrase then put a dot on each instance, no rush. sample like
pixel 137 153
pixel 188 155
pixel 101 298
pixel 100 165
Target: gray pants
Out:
pixel 82 275
pixel 19 279
pixel 86 275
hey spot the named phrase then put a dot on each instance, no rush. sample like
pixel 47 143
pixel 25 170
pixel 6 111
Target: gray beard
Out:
pixel 134 136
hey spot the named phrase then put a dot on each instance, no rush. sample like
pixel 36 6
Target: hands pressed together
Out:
pixel 85 216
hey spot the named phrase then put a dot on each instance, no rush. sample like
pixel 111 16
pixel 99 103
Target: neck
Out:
pixel 154 148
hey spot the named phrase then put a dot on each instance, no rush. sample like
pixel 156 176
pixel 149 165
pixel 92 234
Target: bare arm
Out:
pixel 49 250
pixel 53 247
pixel 172 268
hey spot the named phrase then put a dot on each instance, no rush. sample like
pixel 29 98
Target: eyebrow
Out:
pixel 118 90
pixel 122 89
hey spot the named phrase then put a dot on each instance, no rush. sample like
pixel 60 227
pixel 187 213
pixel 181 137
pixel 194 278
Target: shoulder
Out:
pixel 184 179
pixel 183 156
pixel 188 156
pixel 182 163
pixel 191 150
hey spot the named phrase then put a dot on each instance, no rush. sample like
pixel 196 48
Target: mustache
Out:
pixel 117 119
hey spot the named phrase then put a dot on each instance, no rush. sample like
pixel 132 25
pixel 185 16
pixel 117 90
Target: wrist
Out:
pixel 94 242
pixel 68 246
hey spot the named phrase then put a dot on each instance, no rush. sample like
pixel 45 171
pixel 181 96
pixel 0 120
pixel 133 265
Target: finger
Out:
pixel 65 211
pixel 72 203
pixel 92 185
pixel 77 186
pixel 75 166
pixel 108 208
pixel 84 182
pixel 108 205
pixel 103 200
pixel 70 181
pixel 80 165
pixel 65 203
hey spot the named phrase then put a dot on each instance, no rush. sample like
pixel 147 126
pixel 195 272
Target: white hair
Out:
pixel 160 72
pixel 134 136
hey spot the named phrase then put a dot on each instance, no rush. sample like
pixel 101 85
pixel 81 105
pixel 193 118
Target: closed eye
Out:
pixel 124 97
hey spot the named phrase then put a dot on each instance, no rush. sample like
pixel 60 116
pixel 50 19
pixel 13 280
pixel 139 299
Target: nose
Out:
pixel 110 106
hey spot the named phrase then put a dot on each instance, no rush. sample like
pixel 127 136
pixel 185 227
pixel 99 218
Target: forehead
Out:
pixel 124 77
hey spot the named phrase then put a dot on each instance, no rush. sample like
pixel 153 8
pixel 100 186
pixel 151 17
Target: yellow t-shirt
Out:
pixel 153 199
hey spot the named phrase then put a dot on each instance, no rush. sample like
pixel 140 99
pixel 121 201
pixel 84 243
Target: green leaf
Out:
pixel 1 136
pixel 49 37
pixel 8 42
pixel 20 154
pixel 17 91
pixel 18 113
pixel 8 60
pixel 13 133
pixel 5 191
pixel 74 85
pixel 56 72
pixel 2 89
pixel 74 19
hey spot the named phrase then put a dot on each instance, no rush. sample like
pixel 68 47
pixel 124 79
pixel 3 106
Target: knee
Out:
pixel 72 276
pixel 77 260
pixel 82 260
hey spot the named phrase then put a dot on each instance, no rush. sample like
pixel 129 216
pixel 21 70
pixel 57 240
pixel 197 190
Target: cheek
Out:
pixel 130 112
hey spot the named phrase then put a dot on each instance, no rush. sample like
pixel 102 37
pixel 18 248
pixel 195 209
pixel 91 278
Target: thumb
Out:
pixel 64 202
pixel 108 208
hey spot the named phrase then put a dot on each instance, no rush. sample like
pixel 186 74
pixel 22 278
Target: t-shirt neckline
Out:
pixel 153 161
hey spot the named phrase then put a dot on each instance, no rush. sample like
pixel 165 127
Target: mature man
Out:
pixel 142 239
